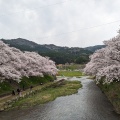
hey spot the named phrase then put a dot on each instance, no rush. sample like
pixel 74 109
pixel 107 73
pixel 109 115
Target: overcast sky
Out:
pixel 60 22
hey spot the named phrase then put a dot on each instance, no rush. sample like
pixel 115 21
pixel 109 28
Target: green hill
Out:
pixel 60 55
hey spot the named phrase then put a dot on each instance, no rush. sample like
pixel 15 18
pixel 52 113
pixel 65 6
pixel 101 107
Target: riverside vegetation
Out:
pixel 40 94
pixel 69 73
pixel 112 91
pixel 49 92
pixel 7 86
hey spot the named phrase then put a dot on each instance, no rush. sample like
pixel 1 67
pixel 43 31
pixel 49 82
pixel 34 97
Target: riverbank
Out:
pixel 8 86
pixel 112 91
pixel 46 93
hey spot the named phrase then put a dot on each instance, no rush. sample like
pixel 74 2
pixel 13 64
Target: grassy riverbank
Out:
pixel 112 91
pixel 7 86
pixel 69 73
pixel 49 93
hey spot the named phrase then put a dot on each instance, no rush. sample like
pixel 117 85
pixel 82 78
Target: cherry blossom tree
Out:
pixel 105 63
pixel 15 64
pixel 97 62
pixel 8 63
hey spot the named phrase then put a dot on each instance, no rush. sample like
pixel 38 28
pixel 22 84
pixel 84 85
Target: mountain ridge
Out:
pixel 59 54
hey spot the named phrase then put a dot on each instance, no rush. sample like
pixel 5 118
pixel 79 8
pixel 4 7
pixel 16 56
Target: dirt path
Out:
pixel 6 99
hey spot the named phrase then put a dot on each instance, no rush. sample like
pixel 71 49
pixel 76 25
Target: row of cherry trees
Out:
pixel 105 63
pixel 14 64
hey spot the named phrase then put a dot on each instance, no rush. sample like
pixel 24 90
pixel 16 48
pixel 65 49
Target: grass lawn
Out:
pixel 112 91
pixel 70 73
pixel 50 93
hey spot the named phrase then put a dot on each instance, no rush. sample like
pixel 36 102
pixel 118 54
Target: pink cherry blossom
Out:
pixel 15 64
pixel 105 63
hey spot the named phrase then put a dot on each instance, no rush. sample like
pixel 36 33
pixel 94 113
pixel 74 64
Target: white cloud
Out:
pixel 37 21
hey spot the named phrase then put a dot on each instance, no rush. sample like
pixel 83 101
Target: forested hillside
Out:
pixel 60 55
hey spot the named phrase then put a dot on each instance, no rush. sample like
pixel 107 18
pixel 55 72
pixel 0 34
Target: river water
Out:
pixel 88 104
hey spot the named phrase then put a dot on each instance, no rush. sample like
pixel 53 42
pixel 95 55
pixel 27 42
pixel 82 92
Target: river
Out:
pixel 88 104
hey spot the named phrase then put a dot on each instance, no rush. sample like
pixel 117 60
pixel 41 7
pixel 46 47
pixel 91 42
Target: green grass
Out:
pixel 6 87
pixel 33 81
pixel 112 91
pixel 70 73
pixel 91 77
pixel 50 93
